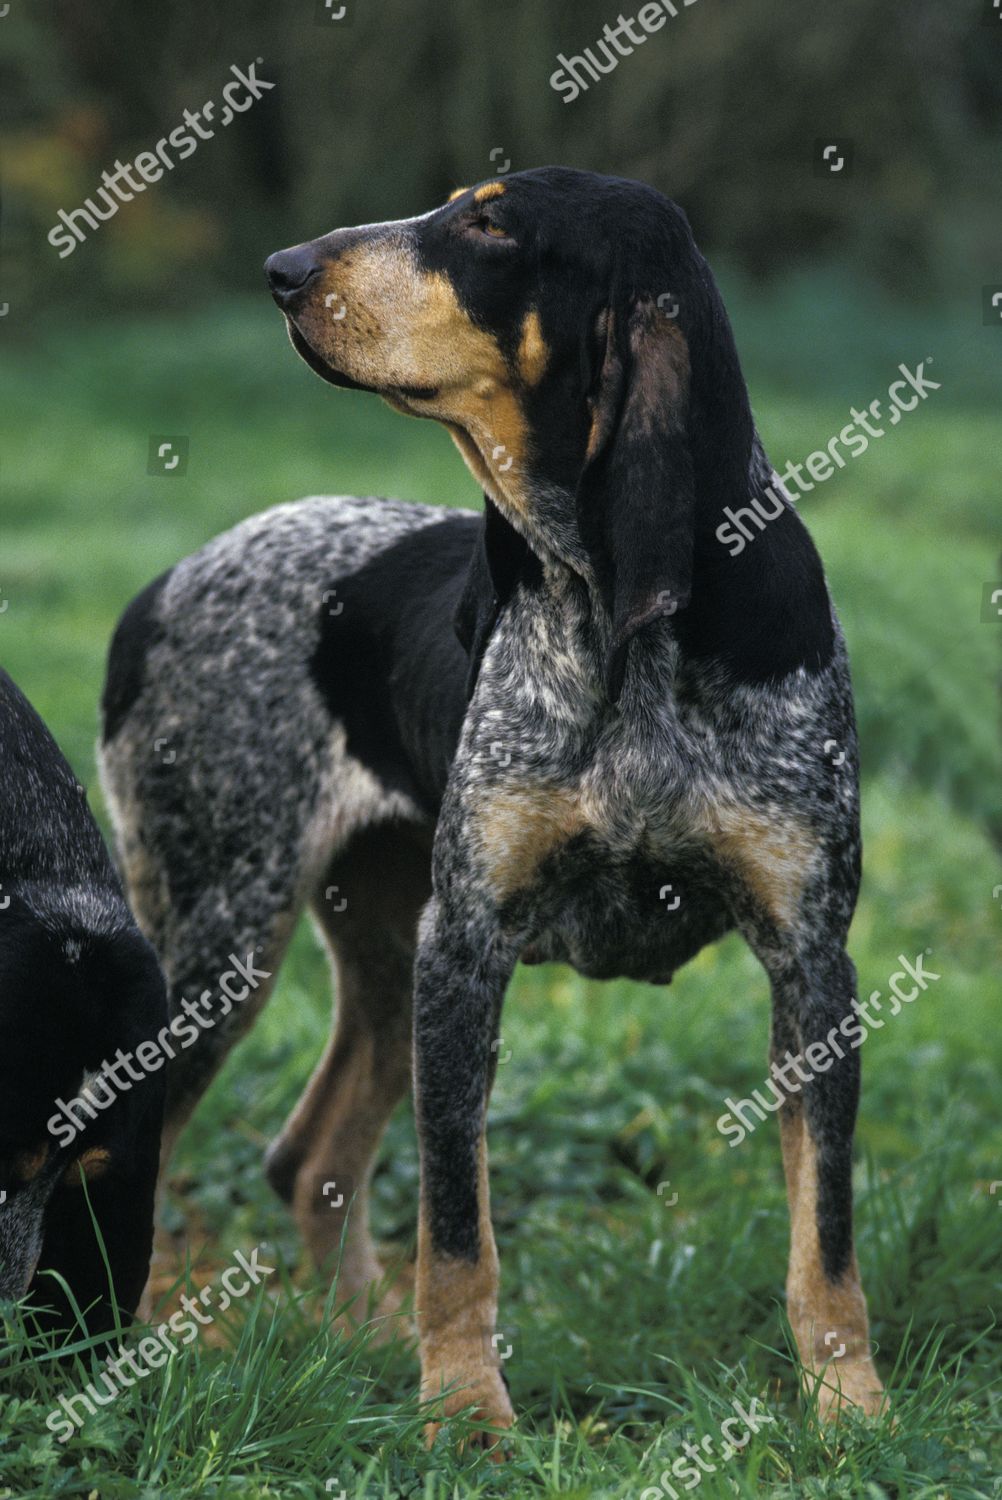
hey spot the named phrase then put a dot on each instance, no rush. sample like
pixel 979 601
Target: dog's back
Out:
pixel 336 608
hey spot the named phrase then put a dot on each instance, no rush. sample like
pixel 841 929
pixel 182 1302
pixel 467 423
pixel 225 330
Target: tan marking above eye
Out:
pixel 458 193
pixel 489 190
pixel 28 1164
pixel 533 350
pixel 92 1164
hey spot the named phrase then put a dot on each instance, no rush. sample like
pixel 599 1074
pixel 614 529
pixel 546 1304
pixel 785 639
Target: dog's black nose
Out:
pixel 288 271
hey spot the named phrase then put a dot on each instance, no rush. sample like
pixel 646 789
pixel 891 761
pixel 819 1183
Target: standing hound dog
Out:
pixel 79 985
pixel 627 706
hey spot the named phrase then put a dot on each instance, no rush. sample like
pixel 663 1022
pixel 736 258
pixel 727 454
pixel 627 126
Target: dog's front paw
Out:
pixel 482 1397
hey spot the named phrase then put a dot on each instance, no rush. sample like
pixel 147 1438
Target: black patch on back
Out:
pixel 389 665
pixel 137 632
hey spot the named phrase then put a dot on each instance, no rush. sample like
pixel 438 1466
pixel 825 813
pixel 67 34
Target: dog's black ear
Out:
pixel 498 558
pixel 635 498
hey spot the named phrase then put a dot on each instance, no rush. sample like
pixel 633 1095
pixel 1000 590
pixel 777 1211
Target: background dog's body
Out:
pixel 77 983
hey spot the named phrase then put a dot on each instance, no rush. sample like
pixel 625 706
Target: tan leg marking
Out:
pixel 337 1126
pixel 774 856
pixel 457 1310
pixel 826 1317
pixel 518 829
pixel 334 1131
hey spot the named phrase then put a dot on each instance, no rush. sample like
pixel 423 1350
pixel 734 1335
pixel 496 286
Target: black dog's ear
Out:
pixel 635 498
pixel 498 558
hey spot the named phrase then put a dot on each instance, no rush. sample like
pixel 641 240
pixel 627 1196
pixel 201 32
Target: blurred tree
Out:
pixel 384 113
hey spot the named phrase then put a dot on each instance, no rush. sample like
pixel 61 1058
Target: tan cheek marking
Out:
pixel 478 397
pixel 471 455
pixel 518 829
pixel 402 326
pixel 773 857
pixel 30 1163
pixel 533 351
pixel 457 193
pixel 489 190
pixel 92 1164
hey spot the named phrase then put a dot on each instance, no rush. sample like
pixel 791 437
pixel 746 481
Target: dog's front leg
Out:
pixel 813 1020
pixel 463 965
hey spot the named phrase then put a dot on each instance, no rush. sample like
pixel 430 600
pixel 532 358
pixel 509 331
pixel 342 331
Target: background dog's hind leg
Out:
pixel 367 906
pixel 218 868
pixel 227 942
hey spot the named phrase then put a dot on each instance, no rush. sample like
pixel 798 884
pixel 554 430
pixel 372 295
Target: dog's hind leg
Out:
pixel 367 905
pixel 222 844
pixel 219 913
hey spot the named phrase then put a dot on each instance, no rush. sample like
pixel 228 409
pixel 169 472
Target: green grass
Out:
pixel 633 1323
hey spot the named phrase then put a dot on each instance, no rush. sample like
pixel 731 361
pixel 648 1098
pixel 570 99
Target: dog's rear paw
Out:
pixel 483 1400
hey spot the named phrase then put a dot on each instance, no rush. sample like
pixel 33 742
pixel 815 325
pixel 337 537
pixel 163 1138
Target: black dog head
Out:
pixel 72 994
pixel 567 331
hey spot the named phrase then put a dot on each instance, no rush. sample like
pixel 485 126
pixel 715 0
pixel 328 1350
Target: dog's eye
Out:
pixel 484 225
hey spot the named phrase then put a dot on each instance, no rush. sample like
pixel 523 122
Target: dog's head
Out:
pixel 69 1000
pixel 566 330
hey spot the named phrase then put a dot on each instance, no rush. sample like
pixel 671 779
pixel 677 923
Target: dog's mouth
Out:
pixel 316 362
pixel 396 394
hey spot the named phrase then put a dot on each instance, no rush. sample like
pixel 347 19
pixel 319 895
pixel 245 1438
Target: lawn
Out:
pixel 634 1317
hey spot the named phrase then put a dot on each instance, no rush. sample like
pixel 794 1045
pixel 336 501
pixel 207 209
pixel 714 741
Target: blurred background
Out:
pixel 158 329
pixel 157 324
pixel 386 109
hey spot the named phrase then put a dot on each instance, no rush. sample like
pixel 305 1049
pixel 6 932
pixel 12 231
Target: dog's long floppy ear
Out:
pixel 636 497
pixel 497 561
